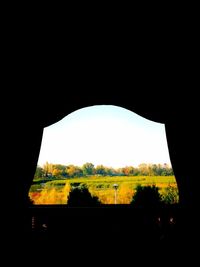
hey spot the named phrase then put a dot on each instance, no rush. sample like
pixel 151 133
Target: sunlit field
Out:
pixel 57 191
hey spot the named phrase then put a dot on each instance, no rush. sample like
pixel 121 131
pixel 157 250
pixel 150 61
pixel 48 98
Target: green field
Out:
pixel 57 191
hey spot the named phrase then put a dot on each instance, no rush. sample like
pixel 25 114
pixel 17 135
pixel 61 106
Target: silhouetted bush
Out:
pixel 147 197
pixel 81 197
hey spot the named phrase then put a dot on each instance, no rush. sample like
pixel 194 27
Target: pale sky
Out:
pixel 104 134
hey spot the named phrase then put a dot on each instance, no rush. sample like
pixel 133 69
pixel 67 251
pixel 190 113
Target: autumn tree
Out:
pixel 59 170
pixel 131 170
pixel 125 171
pixel 74 171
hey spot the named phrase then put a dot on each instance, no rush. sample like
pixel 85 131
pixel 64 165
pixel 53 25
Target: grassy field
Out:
pixel 57 191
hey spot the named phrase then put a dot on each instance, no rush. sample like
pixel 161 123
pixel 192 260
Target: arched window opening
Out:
pixel 103 155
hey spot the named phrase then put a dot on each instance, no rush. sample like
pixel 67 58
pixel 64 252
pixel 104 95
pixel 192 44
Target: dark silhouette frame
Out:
pixel 50 222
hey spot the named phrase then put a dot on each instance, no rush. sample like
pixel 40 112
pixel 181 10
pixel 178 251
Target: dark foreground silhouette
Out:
pixel 61 230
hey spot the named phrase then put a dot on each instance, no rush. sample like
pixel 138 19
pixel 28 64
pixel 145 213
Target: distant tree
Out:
pixel 154 169
pixel 48 169
pixel 119 171
pixel 74 171
pixel 143 169
pixel 39 172
pixel 167 170
pixel 88 169
pixel 100 169
pixel 81 197
pixel 125 171
pixel 71 170
pixel 150 171
pixel 59 170
pixel 159 170
pixel 136 172
pixel 110 171
pixel 131 170
pixel 128 171
pixel 147 197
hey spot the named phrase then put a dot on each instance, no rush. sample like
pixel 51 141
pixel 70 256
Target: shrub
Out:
pixel 81 197
pixel 147 196
pixel 170 195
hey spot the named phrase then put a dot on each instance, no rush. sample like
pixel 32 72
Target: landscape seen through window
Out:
pixel 103 155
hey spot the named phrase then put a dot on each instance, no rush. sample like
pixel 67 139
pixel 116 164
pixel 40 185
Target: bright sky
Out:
pixel 108 135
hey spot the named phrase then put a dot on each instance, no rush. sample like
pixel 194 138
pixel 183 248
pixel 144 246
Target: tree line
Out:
pixel 59 171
